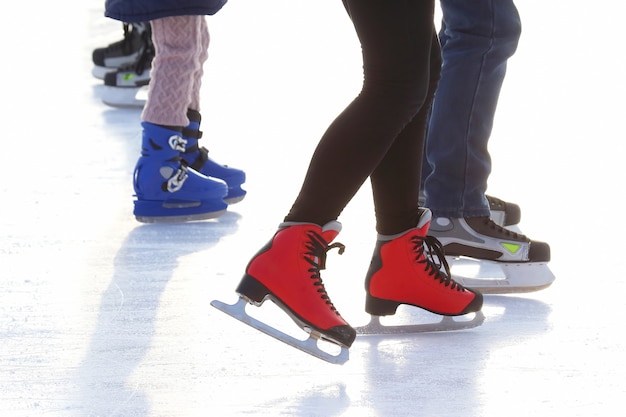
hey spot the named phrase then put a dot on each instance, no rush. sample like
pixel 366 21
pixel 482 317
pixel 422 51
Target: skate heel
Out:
pixel 379 307
pixel 252 290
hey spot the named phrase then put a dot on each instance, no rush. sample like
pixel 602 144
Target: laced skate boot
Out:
pixel 287 271
pixel 482 238
pixel 125 51
pixel 504 213
pixel 403 271
pixel 132 75
pixel 521 260
pixel 198 158
pixel 166 189
pixel 122 86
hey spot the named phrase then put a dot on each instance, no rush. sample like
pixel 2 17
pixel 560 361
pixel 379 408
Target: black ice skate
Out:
pixel 492 259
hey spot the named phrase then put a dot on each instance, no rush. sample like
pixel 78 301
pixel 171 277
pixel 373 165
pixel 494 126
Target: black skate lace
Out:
pixel 429 251
pixel 124 45
pixel 318 248
pixel 495 203
pixel 486 221
pixel 147 54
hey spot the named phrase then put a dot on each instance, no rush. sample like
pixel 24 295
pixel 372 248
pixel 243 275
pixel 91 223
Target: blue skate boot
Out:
pixel 167 190
pixel 198 158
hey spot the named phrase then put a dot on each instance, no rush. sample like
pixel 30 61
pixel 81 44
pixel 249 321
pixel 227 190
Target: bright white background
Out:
pixel 103 316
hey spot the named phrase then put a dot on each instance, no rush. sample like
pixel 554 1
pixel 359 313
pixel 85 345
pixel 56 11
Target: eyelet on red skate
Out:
pixel 318 249
pixel 430 251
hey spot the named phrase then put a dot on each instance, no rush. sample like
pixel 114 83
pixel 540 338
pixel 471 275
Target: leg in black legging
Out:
pixel 381 132
pixel 394 186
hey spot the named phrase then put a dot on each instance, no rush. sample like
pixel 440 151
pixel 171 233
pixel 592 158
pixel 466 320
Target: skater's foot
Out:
pixel 504 213
pixel 137 36
pixel 133 75
pixel 512 262
pixel 287 271
pixel 198 158
pixel 233 177
pixel 404 271
pixel 166 189
pixel 482 238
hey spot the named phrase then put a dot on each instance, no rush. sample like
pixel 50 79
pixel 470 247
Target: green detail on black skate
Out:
pixel 511 247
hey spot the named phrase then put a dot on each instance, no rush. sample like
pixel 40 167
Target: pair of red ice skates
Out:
pixel 402 271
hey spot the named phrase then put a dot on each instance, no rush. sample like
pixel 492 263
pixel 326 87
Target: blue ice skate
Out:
pixel 198 158
pixel 167 190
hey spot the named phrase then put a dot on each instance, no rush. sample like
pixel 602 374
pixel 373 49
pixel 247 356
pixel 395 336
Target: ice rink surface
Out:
pixel 103 316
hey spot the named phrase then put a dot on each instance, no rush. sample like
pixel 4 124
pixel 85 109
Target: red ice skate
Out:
pixel 287 271
pixel 403 271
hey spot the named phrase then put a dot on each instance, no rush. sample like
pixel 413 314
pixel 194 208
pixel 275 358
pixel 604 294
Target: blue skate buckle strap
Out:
pixel 177 143
pixel 177 180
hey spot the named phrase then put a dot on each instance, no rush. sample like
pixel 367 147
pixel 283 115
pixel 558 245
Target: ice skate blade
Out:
pixel 447 324
pixel 238 311
pixel 490 277
pixel 180 219
pixel 234 200
pixel 124 97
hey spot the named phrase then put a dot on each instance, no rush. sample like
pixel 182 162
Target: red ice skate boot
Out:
pixel 402 271
pixel 287 271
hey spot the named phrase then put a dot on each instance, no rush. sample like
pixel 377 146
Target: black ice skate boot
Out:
pixel 122 52
pixel 504 213
pixel 134 74
pixel 482 238
pixel 509 262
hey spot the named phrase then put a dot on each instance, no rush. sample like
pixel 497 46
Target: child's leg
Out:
pixel 166 188
pixel 202 56
pixel 176 61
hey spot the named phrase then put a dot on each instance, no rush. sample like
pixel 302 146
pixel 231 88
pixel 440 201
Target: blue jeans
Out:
pixel 477 37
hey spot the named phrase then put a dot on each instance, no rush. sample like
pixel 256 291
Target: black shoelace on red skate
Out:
pixel 318 249
pixel 429 251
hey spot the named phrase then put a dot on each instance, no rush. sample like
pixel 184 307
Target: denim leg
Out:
pixel 477 37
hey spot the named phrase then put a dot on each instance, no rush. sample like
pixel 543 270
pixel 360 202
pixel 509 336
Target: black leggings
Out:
pixel 380 135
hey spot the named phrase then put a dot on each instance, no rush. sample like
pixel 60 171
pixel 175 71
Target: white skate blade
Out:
pixel 99 72
pixel 491 277
pixel 180 219
pixel 310 345
pixel 125 96
pixel 447 324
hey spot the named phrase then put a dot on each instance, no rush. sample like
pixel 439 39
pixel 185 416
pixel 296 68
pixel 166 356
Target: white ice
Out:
pixel 103 316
